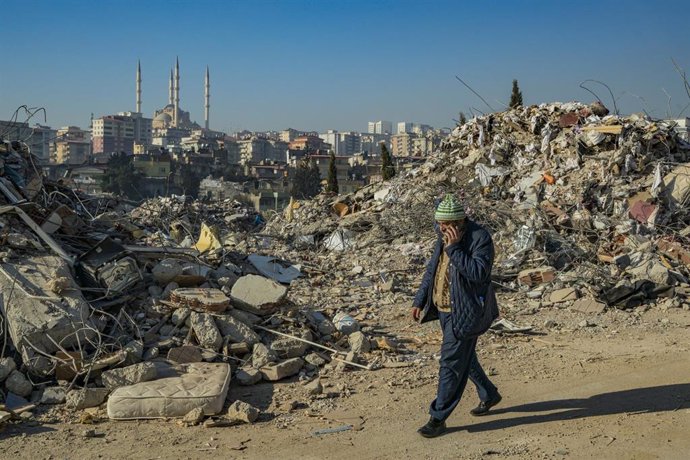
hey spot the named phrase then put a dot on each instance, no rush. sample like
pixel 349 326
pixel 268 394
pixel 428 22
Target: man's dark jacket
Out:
pixel 472 298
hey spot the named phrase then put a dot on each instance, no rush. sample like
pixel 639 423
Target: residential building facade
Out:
pixel 380 127
pixel 113 133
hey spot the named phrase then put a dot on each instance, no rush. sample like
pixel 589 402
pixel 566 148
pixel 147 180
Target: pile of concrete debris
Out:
pixel 587 210
pixel 104 303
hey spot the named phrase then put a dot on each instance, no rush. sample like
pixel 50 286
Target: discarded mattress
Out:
pixel 203 385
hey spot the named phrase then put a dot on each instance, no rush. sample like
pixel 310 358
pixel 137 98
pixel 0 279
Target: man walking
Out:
pixel 457 290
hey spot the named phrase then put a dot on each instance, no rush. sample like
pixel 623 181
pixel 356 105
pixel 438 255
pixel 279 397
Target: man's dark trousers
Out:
pixel 458 363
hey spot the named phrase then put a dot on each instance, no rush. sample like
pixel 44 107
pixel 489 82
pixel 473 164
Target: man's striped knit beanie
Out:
pixel 449 209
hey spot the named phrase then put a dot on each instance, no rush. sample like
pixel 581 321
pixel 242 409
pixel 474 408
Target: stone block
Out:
pixel 7 365
pixel 129 375
pixel 236 330
pixel 282 370
pixel 18 384
pixel 44 322
pixel 53 395
pixel 563 295
pixel 262 355
pixel 243 412
pixel 359 342
pixel 206 331
pixel 257 294
pixel 588 305
pixel 248 376
pixel 185 354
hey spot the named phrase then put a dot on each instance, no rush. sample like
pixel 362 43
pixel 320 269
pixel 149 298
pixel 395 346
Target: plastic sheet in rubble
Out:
pixel 339 240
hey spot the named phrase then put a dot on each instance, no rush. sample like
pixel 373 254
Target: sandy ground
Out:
pixel 619 393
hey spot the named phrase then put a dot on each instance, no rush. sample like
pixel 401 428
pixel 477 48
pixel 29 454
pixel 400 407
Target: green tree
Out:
pixel 306 180
pixel 121 177
pixel 515 96
pixel 387 168
pixel 332 186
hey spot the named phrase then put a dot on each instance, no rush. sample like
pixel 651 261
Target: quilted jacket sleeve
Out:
pixel 473 264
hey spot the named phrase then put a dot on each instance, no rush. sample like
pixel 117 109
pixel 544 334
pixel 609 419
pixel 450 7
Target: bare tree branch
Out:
pixel 681 72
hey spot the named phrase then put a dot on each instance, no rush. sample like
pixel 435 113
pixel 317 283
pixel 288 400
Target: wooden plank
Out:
pixel 605 129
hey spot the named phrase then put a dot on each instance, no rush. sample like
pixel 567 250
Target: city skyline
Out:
pixel 350 63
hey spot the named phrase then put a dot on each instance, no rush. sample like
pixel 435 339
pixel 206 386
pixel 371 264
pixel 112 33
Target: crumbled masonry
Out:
pixel 107 304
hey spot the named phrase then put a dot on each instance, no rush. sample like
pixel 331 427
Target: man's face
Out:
pixel 446 225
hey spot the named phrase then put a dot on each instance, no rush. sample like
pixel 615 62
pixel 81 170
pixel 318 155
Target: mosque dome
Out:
pixel 163 117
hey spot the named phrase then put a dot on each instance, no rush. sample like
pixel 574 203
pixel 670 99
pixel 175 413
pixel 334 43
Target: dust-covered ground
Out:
pixel 616 389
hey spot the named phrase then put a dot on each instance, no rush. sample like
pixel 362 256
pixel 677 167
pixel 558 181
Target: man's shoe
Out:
pixel 484 406
pixel 433 428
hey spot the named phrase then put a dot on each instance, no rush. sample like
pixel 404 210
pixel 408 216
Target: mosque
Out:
pixel 172 116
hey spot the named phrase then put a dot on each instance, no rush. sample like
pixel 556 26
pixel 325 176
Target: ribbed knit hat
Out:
pixel 449 209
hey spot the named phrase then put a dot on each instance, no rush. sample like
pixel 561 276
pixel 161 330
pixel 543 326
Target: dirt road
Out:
pixel 579 394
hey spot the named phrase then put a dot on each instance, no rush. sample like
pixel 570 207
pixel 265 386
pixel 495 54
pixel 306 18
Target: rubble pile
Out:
pixel 156 310
pixel 150 311
pixel 182 218
pixel 587 210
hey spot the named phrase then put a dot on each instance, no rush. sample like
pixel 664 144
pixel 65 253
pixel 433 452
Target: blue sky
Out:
pixel 326 64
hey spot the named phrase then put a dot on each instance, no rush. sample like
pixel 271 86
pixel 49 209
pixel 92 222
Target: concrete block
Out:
pixel 18 384
pixel 248 376
pixel 236 330
pixel 32 322
pixel 7 365
pixel 129 375
pixel 257 294
pixel 206 331
pixel 284 369
pixel 564 295
pixel 243 412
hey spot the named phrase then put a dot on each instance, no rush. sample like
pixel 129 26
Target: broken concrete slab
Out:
pixel 282 370
pixel 86 397
pixel 36 317
pixel 247 318
pixel 290 348
pixel 185 354
pixel 257 294
pixel 320 322
pixel 201 299
pixel 7 365
pixel 588 305
pixel 564 295
pixel 262 355
pixel 243 412
pixel 129 375
pixel 167 292
pixel 275 269
pixel 53 395
pixel 236 330
pixel 194 416
pixel 248 376
pixel 359 342
pixel 652 270
pixel 315 359
pixel 206 331
pixel 18 384
pixel 179 316
pixel 241 348
pixel 167 270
